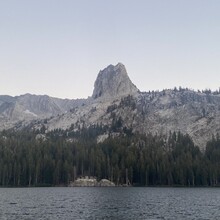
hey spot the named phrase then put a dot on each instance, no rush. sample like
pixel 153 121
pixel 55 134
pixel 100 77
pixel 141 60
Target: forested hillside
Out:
pixel 58 157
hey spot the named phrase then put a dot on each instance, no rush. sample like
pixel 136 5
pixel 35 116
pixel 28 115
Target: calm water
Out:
pixel 109 203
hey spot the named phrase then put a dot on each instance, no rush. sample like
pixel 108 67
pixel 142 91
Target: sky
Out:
pixel 57 47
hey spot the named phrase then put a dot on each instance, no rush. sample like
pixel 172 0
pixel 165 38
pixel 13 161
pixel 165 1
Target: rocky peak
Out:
pixel 113 82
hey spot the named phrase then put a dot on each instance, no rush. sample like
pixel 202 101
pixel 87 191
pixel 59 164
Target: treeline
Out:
pixel 141 160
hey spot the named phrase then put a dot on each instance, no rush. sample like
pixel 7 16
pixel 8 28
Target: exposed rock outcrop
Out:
pixel 84 182
pixel 91 182
pixel 113 82
pixel 105 182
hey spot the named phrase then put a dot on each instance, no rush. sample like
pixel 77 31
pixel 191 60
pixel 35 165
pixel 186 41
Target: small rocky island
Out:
pixel 91 182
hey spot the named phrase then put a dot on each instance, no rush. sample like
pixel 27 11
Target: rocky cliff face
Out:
pixel 113 82
pixel 24 108
pixel 117 104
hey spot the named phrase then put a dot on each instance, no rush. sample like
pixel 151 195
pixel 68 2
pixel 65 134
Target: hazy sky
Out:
pixel 57 47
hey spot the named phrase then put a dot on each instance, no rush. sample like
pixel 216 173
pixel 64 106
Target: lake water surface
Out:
pixel 109 203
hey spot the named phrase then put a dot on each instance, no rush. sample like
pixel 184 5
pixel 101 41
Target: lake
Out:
pixel 109 203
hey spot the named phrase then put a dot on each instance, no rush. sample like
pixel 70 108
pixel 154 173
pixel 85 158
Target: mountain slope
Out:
pixel 117 104
pixel 24 108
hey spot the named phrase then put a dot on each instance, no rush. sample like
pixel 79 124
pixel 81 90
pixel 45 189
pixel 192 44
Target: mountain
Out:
pixel 113 82
pixel 118 105
pixel 25 108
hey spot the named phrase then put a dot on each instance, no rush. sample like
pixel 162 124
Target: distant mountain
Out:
pixel 117 104
pixel 25 108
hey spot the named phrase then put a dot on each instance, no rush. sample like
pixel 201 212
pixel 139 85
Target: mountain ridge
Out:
pixel 117 102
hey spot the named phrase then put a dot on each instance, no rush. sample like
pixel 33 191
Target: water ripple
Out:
pixel 110 203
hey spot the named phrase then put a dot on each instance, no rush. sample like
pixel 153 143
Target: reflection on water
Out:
pixel 109 203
